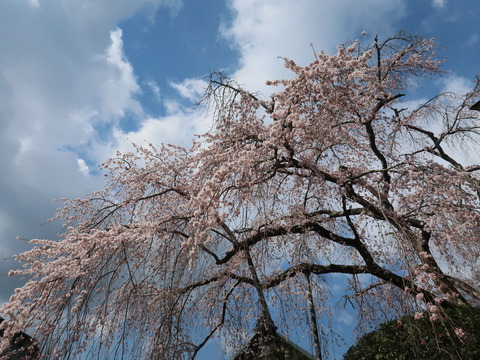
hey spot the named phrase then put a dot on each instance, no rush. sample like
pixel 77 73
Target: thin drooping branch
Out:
pixel 220 322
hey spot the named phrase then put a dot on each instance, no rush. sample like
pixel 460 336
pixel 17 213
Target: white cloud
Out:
pixel 263 30
pixel 63 76
pixel 64 109
pixel 82 166
pixel 170 129
pixel 191 89
pixel 57 81
pixel 119 88
pixel 456 84
pixel 178 127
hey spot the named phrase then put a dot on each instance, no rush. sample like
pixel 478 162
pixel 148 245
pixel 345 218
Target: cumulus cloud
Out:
pixel 263 30
pixel 64 82
pixel 82 166
pixel 177 128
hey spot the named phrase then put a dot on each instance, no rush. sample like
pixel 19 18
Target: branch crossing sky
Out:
pixel 80 79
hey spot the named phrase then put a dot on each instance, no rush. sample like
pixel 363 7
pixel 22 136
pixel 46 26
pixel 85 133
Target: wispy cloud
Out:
pixel 190 89
pixel 153 87
pixel 471 41
pixel 439 4
pixel 34 3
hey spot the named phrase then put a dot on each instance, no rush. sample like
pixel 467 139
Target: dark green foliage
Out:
pixel 410 339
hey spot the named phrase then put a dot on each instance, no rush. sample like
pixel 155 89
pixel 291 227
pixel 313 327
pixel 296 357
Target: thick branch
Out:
pixel 307 268
pixel 372 138
pixel 266 233
pixel 375 270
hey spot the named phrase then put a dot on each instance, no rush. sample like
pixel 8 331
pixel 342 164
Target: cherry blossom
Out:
pixel 331 175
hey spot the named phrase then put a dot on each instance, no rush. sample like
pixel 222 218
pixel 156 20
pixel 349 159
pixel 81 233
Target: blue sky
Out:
pixel 80 79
